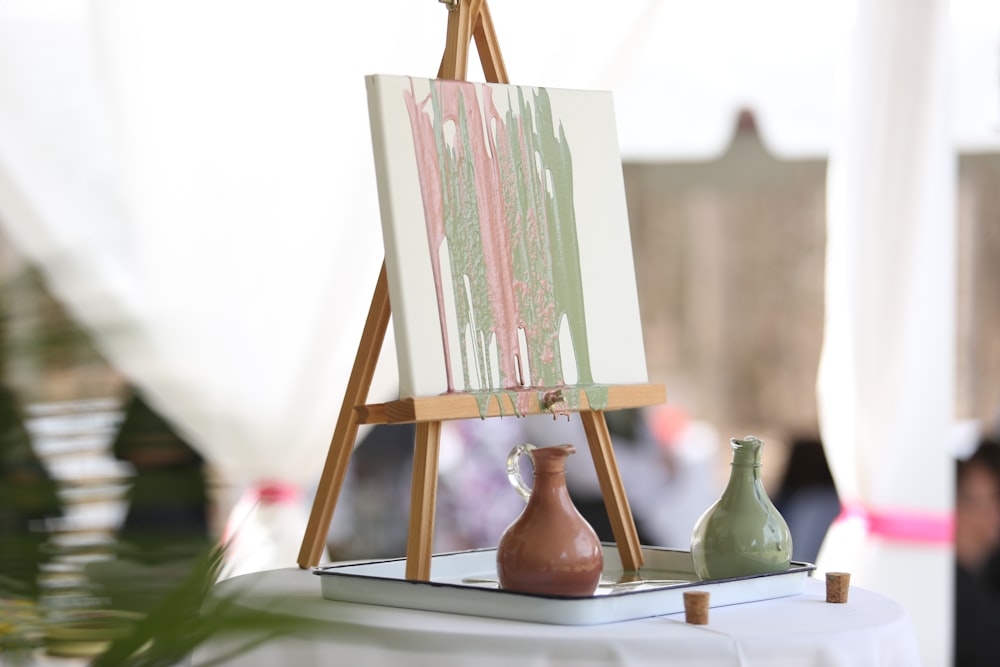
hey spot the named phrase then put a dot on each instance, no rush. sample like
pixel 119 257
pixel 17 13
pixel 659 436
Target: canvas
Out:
pixel 507 241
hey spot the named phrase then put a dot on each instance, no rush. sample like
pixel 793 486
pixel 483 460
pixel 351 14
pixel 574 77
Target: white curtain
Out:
pixel 886 384
pixel 190 179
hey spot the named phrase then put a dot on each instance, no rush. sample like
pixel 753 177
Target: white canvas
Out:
pixel 517 192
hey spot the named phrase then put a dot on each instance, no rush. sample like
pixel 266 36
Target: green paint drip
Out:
pixel 597 395
pixel 561 219
pixel 483 400
pixel 516 398
pixel 572 398
pixel 506 199
pixel 523 400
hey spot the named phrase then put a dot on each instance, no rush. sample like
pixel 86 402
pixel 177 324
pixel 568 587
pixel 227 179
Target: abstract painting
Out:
pixel 507 241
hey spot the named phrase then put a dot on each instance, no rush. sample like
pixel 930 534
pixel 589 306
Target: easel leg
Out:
pixel 469 20
pixel 423 497
pixel 346 431
pixel 488 47
pixel 615 500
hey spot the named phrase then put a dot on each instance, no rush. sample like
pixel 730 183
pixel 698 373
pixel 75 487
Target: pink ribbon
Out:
pixel 265 493
pixel 273 493
pixel 902 525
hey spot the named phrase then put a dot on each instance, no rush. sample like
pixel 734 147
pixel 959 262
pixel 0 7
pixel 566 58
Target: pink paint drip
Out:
pixel 429 174
pixel 493 172
pixel 496 245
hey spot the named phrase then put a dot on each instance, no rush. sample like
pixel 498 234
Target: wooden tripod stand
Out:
pixel 467 20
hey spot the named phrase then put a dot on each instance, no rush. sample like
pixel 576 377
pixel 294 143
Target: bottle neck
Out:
pixel 744 474
pixel 746 463
pixel 747 452
pixel 549 481
pixel 551 460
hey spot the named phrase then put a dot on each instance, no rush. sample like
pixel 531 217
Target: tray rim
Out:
pixel 796 567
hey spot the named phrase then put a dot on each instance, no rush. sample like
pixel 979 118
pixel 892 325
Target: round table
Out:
pixel 870 630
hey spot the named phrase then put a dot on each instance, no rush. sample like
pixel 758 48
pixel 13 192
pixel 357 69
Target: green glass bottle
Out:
pixel 742 533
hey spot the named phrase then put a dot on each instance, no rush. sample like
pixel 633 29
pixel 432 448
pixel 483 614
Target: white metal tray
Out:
pixel 465 582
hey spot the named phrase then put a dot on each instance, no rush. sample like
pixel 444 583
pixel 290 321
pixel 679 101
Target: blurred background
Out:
pixel 729 260
pixel 189 238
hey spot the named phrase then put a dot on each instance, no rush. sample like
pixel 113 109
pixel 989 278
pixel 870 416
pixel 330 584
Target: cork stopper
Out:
pixel 837 586
pixel 696 607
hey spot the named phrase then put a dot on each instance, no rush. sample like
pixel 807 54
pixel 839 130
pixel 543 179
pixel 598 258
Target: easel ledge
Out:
pixel 462 406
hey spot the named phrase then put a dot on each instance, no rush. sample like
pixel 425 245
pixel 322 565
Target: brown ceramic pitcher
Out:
pixel 550 549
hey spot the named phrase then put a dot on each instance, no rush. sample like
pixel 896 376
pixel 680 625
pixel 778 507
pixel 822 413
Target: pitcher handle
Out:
pixel 514 469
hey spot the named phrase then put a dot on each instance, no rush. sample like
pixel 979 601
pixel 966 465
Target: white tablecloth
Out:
pixel 801 631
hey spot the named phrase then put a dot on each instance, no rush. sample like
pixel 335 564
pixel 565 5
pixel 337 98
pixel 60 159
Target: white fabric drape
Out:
pixel 189 177
pixel 886 385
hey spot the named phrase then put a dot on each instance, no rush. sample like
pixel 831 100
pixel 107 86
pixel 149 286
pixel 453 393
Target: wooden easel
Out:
pixel 467 20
